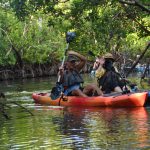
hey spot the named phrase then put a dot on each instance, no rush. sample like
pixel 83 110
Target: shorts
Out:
pixel 68 91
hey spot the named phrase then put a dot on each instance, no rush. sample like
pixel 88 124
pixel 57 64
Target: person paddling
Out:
pixel 71 78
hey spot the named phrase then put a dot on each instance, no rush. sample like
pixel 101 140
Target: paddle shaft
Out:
pixel 62 64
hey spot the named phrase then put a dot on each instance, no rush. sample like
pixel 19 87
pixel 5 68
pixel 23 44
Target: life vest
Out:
pixel 107 78
pixel 108 81
pixel 71 78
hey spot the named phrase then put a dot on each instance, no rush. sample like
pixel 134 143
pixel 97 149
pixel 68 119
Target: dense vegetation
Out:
pixel 32 33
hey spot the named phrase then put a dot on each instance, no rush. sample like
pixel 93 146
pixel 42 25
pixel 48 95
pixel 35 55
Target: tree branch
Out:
pixel 134 19
pixel 135 3
pixel 137 61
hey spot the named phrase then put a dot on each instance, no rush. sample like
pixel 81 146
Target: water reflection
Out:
pixel 77 128
pixel 91 128
pixel 71 127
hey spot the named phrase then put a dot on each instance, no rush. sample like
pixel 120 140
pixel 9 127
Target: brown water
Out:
pixel 56 128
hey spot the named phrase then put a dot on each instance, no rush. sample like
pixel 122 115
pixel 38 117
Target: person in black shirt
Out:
pixel 107 77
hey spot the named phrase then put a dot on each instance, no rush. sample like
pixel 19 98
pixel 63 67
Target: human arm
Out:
pixel 100 70
pixel 101 62
pixel 96 64
pixel 60 73
pixel 82 59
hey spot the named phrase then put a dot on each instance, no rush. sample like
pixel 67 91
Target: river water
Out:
pixel 72 128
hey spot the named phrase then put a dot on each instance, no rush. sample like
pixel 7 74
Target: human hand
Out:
pixel 101 61
pixel 61 69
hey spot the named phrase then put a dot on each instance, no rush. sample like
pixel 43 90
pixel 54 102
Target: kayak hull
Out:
pixel 120 100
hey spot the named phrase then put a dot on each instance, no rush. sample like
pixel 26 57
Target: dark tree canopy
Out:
pixel 32 31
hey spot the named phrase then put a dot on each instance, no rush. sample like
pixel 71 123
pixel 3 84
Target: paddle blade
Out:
pixel 56 91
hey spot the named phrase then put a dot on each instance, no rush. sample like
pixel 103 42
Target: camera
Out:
pixel 70 36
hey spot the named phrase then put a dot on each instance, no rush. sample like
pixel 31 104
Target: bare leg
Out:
pixel 117 89
pixel 92 88
pixel 78 92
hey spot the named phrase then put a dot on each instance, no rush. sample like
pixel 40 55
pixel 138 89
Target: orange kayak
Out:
pixel 119 100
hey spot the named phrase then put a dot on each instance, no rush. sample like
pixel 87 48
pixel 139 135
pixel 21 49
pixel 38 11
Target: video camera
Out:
pixel 70 36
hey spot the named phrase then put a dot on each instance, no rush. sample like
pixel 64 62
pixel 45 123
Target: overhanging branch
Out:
pixel 135 3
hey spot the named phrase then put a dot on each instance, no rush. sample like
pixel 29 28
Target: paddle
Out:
pixel 57 90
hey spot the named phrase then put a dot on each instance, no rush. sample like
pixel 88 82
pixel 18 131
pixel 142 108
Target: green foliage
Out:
pixel 5 40
pixel 37 28
pixel 33 39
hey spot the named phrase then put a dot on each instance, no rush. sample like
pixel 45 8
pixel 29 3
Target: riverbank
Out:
pixel 33 71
